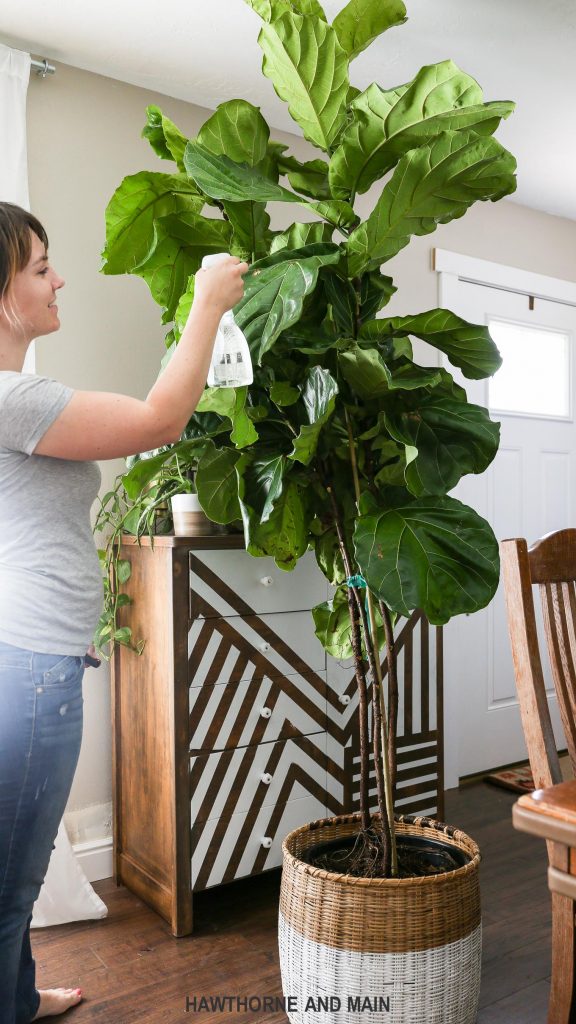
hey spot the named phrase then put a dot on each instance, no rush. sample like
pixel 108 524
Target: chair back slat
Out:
pixel 558 606
pixel 553 557
pixel 530 685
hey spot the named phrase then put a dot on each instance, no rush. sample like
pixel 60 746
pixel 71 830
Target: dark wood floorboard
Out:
pixel 132 969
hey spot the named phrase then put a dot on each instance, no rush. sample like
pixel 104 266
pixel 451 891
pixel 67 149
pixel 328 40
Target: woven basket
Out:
pixel 379 951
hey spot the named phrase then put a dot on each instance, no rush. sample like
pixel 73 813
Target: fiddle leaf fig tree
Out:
pixel 343 444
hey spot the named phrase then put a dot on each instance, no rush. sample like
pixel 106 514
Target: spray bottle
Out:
pixel 231 366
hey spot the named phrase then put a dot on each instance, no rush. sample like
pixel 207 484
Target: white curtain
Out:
pixel 66 894
pixel 14 77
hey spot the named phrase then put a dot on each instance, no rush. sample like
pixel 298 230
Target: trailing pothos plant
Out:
pixel 138 504
pixel 344 443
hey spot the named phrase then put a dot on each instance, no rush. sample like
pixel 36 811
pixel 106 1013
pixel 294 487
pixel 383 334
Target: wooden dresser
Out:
pixel 232 728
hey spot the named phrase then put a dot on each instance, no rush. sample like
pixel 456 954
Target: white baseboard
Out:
pixel 95 858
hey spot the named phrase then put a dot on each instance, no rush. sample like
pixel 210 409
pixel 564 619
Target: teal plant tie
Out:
pixel 360 583
pixel 356 581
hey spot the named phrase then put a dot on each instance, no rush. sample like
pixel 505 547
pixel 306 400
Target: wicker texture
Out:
pixel 414 942
pixel 433 986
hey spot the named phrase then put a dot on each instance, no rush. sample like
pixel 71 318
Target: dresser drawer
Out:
pixel 233 782
pixel 243 647
pixel 236 583
pixel 256 711
pixel 247 843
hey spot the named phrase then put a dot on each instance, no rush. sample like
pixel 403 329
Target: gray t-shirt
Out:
pixel 51 588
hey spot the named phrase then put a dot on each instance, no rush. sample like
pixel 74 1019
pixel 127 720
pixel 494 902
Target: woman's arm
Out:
pixel 103 425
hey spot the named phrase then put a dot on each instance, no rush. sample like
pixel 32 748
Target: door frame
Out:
pixel 452 267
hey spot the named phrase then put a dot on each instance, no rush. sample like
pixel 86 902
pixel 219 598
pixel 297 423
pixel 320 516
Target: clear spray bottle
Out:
pixel 231 366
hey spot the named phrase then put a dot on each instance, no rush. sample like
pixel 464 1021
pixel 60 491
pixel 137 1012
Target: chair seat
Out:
pixel 551 814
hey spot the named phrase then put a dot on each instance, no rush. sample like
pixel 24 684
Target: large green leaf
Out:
pixel 468 346
pixel 250 230
pixel 164 137
pixel 263 482
pixel 274 291
pixel 217 484
pixel 270 9
pixel 329 556
pixel 284 535
pixel 283 394
pixel 166 271
pixel 361 21
pixel 343 301
pixel 221 178
pixel 432 553
pixel 431 185
pixel 309 70
pixel 376 290
pixel 387 124
pixel 310 178
pixel 392 466
pixel 181 240
pixel 369 376
pixel 444 439
pixel 230 402
pixel 237 129
pixel 334 629
pixel 319 398
pixel 182 312
pixel 300 234
pixel 335 211
pixel 138 201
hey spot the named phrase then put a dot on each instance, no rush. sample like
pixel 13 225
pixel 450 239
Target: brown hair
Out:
pixel 15 242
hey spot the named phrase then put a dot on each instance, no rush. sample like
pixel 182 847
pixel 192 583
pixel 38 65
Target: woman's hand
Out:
pixel 91 659
pixel 220 287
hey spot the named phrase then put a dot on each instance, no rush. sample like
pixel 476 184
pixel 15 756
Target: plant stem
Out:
pixel 354 604
pixel 356 638
pixel 380 731
pixel 392 692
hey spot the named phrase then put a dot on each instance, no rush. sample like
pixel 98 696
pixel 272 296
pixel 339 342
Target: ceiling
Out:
pixel 207 53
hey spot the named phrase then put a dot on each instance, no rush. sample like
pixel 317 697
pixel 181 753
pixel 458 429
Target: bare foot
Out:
pixel 57 1000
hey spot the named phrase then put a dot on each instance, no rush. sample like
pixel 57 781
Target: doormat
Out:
pixel 520 780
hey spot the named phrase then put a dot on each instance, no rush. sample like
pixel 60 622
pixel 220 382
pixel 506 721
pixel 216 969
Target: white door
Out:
pixel 529 490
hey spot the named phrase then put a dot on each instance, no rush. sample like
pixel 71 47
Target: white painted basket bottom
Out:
pixel 434 986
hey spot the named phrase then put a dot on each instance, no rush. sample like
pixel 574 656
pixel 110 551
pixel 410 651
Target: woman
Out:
pixel 50 579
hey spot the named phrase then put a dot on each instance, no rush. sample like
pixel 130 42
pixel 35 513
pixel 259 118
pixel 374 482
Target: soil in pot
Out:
pixel 361 855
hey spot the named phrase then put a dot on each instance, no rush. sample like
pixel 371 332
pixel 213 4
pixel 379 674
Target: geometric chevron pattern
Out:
pixel 272 722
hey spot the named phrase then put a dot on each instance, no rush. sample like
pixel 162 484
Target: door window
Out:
pixel 534 379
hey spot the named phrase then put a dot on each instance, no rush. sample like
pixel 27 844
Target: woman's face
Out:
pixel 33 293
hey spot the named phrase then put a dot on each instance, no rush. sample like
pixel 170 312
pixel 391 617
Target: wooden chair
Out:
pixel 551 565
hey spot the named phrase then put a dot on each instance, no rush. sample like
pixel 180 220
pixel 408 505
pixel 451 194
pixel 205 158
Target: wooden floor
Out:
pixel 131 968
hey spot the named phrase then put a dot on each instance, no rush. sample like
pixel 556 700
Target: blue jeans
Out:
pixel 40 735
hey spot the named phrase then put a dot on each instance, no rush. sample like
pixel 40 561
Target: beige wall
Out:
pixel 83 138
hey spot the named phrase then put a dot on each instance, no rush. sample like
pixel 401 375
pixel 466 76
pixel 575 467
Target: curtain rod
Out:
pixel 42 67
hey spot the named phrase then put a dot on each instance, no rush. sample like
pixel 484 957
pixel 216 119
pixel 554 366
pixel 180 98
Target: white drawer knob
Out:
pixel 264 646
pixel 266 842
pixel 266 778
pixel 267 581
pixel 344 699
pixel 265 712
